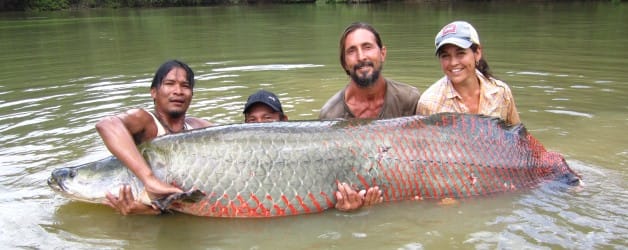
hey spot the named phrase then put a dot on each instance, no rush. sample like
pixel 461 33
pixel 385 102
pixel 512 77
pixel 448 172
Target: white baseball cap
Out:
pixel 459 33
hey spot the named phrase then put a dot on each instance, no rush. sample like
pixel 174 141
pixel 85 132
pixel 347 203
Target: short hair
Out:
pixel 166 67
pixel 348 30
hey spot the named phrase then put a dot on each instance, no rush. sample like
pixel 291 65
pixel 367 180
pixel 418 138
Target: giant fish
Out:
pixel 291 168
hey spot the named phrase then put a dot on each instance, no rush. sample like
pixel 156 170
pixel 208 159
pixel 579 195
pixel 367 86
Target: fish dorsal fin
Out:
pixel 470 121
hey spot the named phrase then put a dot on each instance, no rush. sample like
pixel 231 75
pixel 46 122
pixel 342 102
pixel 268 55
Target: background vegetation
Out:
pixel 47 5
pixel 50 5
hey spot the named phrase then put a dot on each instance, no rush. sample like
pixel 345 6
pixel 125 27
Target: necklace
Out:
pixel 163 124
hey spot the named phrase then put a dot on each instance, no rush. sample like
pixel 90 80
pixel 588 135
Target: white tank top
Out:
pixel 160 127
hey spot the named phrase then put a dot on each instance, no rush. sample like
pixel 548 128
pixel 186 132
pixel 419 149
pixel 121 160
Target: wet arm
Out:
pixel 117 134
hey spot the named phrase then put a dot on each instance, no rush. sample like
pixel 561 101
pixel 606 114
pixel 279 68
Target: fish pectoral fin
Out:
pixel 191 196
pixel 144 198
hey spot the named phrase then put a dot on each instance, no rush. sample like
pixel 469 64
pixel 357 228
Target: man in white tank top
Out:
pixel 171 90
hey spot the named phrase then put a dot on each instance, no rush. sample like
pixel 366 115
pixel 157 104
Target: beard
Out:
pixel 365 80
pixel 176 113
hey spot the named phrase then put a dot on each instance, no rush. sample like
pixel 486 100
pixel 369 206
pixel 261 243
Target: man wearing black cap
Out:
pixel 263 106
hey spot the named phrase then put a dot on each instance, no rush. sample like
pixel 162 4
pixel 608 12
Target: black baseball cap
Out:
pixel 264 97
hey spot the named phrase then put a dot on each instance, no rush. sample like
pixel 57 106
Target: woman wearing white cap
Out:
pixel 468 86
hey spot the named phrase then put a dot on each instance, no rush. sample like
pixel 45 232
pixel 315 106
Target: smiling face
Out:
pixel 363 57
pixel 174 95
pixel 459 64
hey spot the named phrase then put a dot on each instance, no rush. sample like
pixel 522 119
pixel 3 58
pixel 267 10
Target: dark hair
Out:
pixel 482 65
pixel 348 30
pixel 163 70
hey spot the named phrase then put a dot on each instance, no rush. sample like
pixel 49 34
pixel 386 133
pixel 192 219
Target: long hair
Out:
pixel 163 70
pixel 482 64
pixel 348 30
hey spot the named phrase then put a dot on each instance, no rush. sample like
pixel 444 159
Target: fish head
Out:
pixel 91 181
pixel 561 170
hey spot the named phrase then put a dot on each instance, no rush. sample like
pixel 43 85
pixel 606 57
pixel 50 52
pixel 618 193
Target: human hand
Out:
pixel 348 199
pixel 373 196
pixel 126 204
pixel 157 188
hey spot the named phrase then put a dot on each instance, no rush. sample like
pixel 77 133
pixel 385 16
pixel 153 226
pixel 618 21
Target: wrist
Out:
pixel 146 176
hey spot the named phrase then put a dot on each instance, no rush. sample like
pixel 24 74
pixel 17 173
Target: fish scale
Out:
pixel 291 168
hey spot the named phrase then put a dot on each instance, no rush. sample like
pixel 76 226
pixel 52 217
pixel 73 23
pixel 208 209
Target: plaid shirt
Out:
pixel 495 99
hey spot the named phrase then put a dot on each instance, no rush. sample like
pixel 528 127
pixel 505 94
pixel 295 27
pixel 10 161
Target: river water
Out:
pixel 63 71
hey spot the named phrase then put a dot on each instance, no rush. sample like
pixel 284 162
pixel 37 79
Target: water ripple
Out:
pixel 268 67
pixel 568 112
pixel 555 216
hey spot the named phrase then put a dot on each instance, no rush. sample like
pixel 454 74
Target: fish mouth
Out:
pixel 56 179
pixel 571 179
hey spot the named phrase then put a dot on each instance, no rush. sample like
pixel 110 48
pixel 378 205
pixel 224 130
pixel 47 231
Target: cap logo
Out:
pixel 449 29
pixel 272 98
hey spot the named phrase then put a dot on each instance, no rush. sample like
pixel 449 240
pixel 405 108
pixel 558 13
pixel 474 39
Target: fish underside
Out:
pixel 290 168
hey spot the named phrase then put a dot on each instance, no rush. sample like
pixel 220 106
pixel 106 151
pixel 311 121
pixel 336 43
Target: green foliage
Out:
pixel 51 5
pixel 159 3
pixel 96 3
pixel 43 5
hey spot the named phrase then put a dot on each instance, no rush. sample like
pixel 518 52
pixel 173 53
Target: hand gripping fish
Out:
pixel 291 168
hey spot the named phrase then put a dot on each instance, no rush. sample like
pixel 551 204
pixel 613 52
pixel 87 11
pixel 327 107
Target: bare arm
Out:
pixel 117 133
